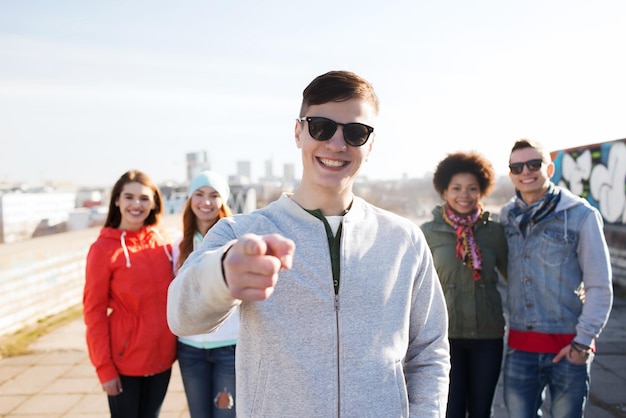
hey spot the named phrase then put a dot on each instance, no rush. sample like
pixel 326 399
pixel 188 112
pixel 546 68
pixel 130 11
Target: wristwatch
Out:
pixel 581 349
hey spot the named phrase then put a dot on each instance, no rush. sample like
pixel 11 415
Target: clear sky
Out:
pixel 90 89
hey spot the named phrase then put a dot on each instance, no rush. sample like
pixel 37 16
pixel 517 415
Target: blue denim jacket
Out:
pixel 546 268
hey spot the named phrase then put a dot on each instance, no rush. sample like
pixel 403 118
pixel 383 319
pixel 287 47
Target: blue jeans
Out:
pixel 141 397
pixel 526 376
pixel 209 380
pixel 474 373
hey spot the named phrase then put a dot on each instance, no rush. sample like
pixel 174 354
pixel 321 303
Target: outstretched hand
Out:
pixel 252 264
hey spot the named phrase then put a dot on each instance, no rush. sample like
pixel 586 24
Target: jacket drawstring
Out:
pixel 565 226
pixel 125 248
pixel 167 252
pixel 123 241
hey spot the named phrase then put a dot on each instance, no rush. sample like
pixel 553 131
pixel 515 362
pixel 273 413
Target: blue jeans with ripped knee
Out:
pixel 209 380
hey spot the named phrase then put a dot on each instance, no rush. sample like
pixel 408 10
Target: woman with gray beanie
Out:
pixel 207 361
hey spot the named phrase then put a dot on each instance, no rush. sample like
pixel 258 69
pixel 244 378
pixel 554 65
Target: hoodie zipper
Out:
pixel 338 362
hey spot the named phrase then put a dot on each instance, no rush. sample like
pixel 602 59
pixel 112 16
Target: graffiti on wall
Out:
pixel 597 173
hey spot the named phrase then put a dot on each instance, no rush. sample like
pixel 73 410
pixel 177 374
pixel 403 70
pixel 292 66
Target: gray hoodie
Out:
pixel 378 348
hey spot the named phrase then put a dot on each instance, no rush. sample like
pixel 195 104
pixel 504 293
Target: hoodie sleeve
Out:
pixel 198 299
pixel 427 364
pixel 595 263
pixel 95 306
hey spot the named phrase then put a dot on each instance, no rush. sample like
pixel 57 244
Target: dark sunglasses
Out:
pixel 322 129
pixel 533 165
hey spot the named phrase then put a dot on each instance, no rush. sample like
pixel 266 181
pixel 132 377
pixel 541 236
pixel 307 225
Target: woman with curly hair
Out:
pixel 469 250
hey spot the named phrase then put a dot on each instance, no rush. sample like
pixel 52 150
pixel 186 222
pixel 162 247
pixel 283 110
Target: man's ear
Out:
pixel 369 145
pixel 297 133
pixel 551 169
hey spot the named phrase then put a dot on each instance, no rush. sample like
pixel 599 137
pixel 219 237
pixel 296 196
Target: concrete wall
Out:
pixel 41 277
pixel 44 276
pixel 597 172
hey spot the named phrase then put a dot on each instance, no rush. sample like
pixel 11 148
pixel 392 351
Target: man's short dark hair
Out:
pixel 337 86
pixel 529 143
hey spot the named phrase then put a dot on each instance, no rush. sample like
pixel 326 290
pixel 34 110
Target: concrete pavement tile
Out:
pixel 93 405
pixel 176 381
pixel 82 370
pixel 174 414
pixel 174 402
pixel 8 373
pixel 499 410
pixel 611 347
pixel 88 415
pixel 32 416
pixel 62 357
pixel 593 411
pixel 32 380
pixel 53 405
pixel 23 360
pixel 614 363
pixel 604 382
pixel 9 403
pixel 73 385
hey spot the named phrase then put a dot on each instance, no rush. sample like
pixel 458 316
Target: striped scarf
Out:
pixel 466 248
pixel 528 216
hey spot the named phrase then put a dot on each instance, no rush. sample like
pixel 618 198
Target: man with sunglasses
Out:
pixel 556 249
pixel 342 313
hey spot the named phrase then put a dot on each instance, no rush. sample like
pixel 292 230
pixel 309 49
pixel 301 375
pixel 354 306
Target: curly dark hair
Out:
pixel 464 162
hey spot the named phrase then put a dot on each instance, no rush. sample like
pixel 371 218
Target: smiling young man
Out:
pixel 342 313
pixel 556 247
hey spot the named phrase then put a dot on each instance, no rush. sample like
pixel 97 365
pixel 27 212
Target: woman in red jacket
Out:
pixel 129 268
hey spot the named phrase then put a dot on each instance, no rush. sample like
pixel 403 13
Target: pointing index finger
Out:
pixel 281 248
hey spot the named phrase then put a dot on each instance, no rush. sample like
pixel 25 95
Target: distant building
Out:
pixel 269 170
pixel 289 173
pixel 244 171
pixel 196 163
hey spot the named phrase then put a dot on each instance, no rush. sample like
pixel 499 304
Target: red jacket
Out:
pixel 124 303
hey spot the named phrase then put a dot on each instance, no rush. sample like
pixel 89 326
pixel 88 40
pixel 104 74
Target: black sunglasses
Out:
pixel 322 129
pixel 533 165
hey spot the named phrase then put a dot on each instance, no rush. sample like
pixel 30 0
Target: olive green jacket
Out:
pixel 474 308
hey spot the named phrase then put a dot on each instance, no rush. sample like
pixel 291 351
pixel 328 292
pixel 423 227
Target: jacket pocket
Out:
pixel 120 334
pixel 558 246
pixel 403 396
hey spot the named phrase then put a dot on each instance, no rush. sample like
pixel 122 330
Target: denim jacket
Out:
pixel 545 270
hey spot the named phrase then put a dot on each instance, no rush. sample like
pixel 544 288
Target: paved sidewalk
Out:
pixel 58 381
